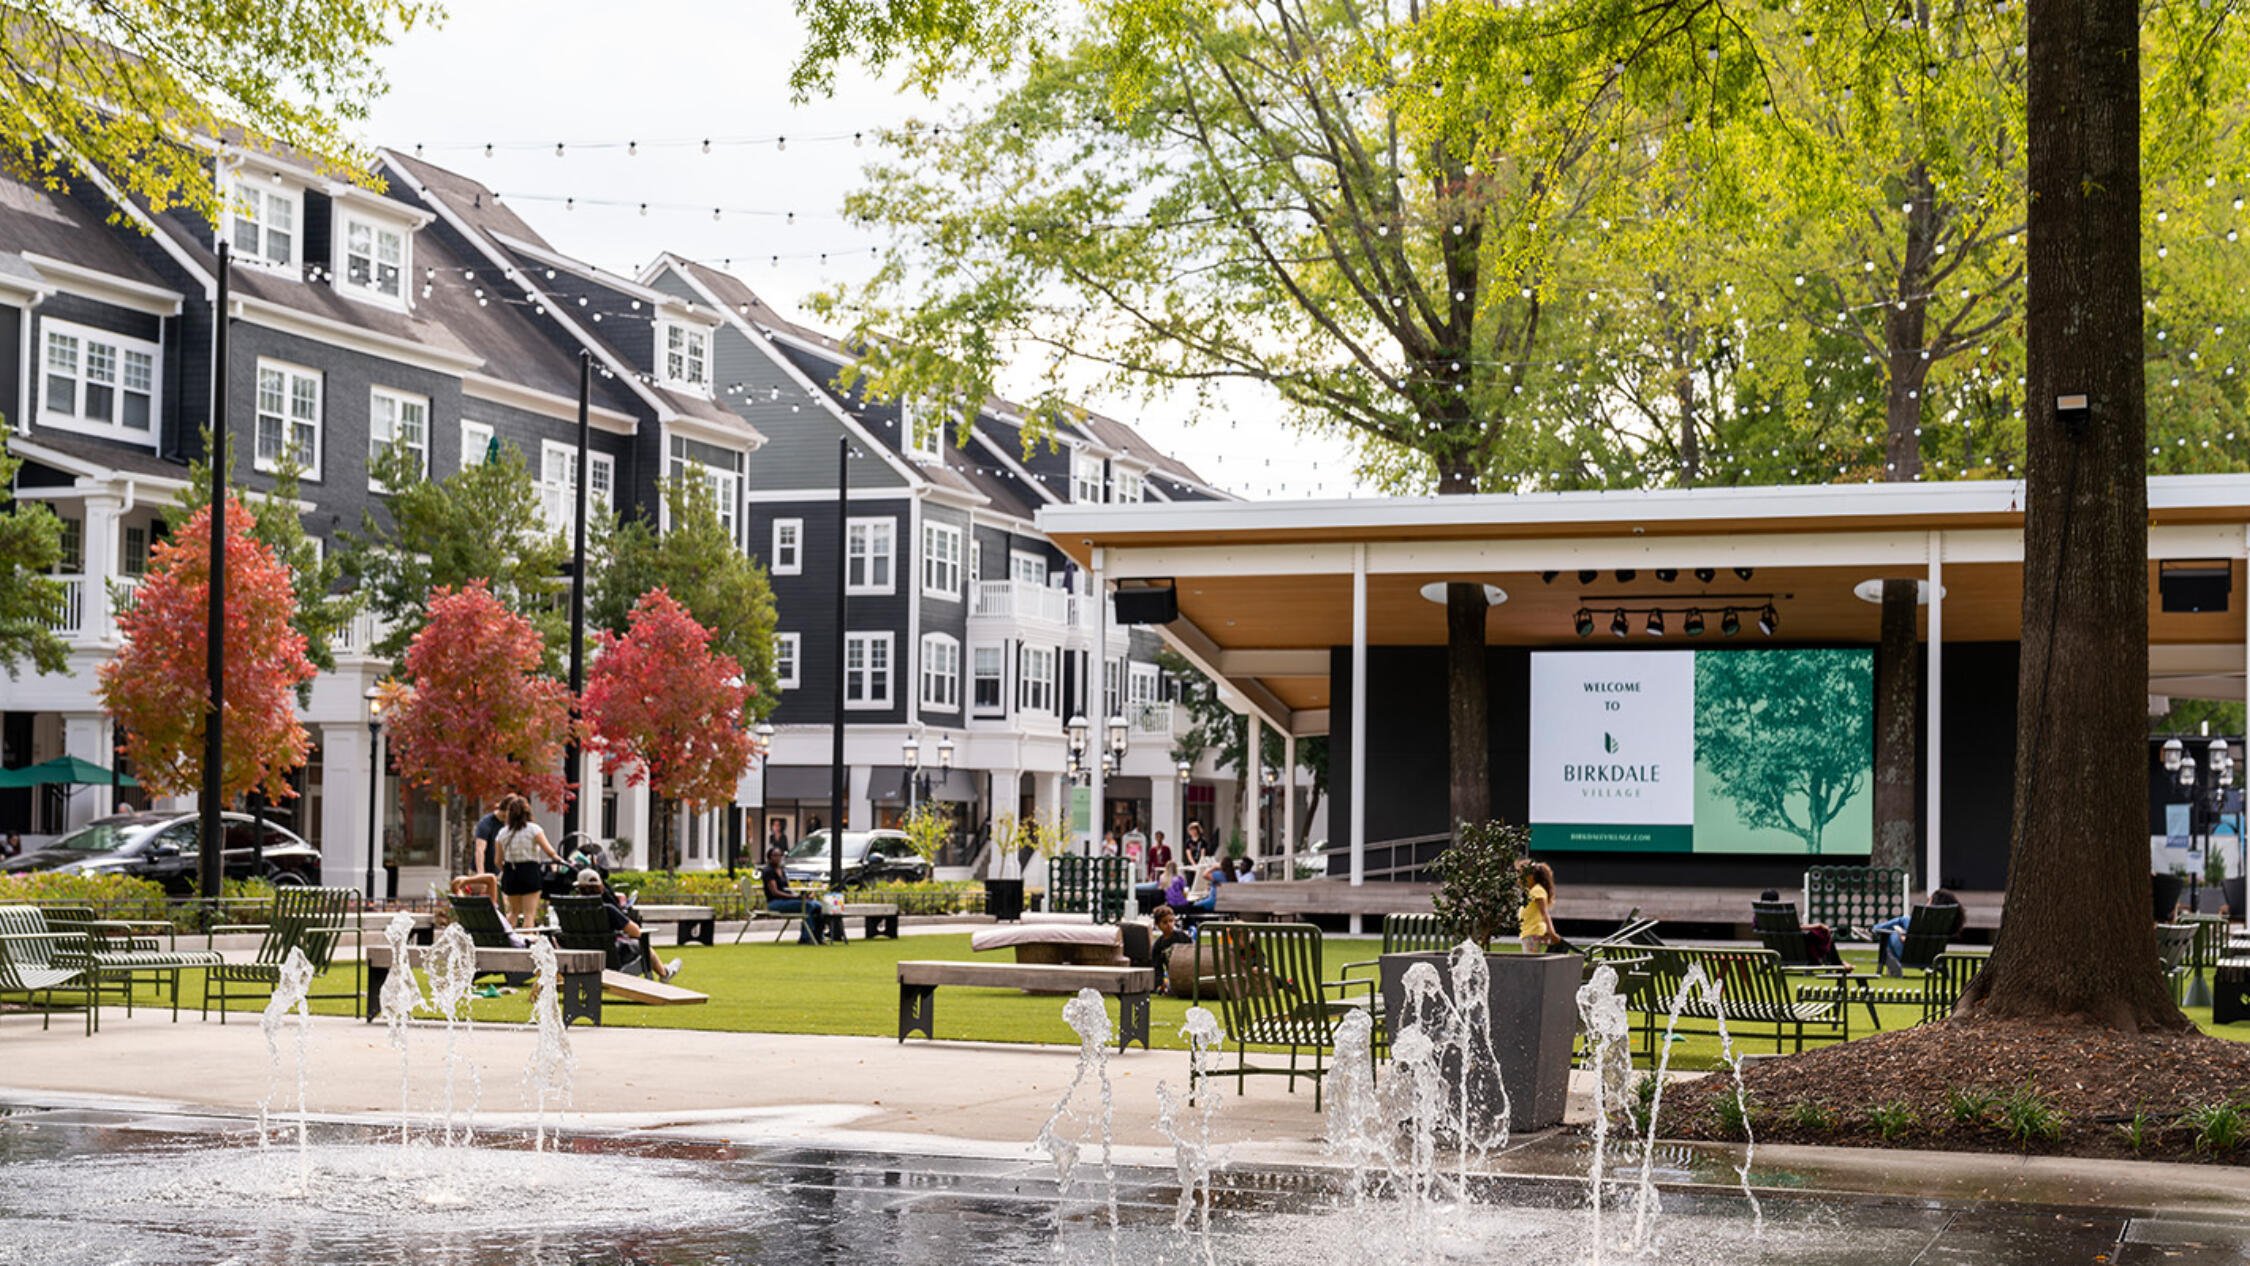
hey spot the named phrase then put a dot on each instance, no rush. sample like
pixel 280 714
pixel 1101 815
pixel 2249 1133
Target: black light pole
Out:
pixel 572 766
pixel 836 773
pixel 374 790
pixel 211 840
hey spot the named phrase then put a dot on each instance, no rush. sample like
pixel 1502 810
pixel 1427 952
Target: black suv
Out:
pixel 870 857
pixel 162 847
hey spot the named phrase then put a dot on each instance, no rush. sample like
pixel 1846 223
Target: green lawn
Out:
pixel 853 989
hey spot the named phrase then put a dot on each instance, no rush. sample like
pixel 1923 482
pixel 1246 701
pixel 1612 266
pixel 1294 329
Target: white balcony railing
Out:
pixel 1020 600
pixel 70 618
pixel 1154 719
pixel 359 635
pixel 124 591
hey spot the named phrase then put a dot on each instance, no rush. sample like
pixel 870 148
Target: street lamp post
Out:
pixel 374 786
pixel 2205 786
pixel 910 755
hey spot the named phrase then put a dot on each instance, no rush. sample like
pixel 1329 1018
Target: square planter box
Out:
pixel 1534 1009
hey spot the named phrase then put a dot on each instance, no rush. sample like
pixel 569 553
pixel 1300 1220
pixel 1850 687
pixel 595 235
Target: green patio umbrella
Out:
pixel 63 769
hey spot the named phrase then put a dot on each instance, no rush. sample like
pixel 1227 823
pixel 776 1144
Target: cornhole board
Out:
pixel 653 993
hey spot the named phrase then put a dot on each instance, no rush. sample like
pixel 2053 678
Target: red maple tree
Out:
pixel 667 709
pixel 476 718
pixel 157 687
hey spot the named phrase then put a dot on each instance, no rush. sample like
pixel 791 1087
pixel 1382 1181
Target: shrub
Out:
pixel 1479 890
pixel 1640 1106
pixel 113 896
pixel 1736 1114
pixel 1894 1120
pixel 2218 1127
pixel 1811 1117
pixel 2136 1131
pixel 1970 1105
pixel 2027 1117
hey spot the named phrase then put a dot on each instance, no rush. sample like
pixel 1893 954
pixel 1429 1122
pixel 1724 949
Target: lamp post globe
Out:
pixel 1077 729
pixel 2173 750
pixel 945 752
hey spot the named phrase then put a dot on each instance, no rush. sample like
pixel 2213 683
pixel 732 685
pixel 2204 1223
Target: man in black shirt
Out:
pixel 782 899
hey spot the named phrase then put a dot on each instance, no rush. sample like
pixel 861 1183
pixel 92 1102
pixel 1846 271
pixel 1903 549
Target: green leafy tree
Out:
pixel 483 523
pixel 697 560
pixel 324 606
pixel 30 546
pixel 1221 732
pixel 133 88
pixel 1788 735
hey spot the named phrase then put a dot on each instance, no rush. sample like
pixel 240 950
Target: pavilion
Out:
pixel 1312 616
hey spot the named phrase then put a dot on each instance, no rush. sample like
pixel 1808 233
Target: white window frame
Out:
pixel 1113 688
pixel 120 349
pixel 999 677
pixel 788 659
pixel 725 482
pixel 1127 486
pixel 1027 567
pixel 941 561
pixel 476 441
pixel 976 558
pixel 922 442
pixel 291 377
pixel 861 579
pixel 863 677
pixel 1030 683
pixel 399 402
pixel 788 557
pixel 259 197
pixel 1144 686
pixel 125 536
pixel 1085 477
pixel 941 672
pixel 372 289
pixel 559 493
pixel 694 349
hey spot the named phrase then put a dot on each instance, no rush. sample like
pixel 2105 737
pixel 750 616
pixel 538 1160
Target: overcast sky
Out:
pixel 525 76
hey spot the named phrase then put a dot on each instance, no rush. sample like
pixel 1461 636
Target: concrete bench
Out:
pixel 879 919
pixel 697 924
pixel 918 981
pixel 1079 944
pixel 580 987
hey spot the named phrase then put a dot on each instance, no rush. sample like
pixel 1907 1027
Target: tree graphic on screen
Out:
pixel 1787 735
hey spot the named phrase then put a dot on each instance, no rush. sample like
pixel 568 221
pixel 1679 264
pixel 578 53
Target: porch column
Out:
pixel 86 736
pixel 344 824
pixel 635 824
pixel 1093 704
pixel 1356 778
pixel 1933 722
pixel 1288 849
pixel 99 563
pixel 862 808
pixel 1005 801
pixel 1253 787
pixel 1166 806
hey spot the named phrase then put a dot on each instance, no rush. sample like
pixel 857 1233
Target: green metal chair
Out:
pixel 1404 934
pixel 582 924
pixel 123 950
pixel 1929 932
pixel 1271 995
pixel 37 961
pixel 1755 990
pixel 1949 977
pixel 312 921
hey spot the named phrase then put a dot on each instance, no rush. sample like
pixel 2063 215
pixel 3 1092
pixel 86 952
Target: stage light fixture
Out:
pixel 1655 623
pixel 1667 574
pixel 1626 575
pixel 1583 622
pixel 1548 577
pixel 1730 623
pixel 1742 573
pixel 1586 575
pixel 1707 574
pixel 1692 624
pixel 1619 626
pixel 1768 620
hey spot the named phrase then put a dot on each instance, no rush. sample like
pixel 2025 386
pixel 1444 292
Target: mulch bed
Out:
pixel 1981 1086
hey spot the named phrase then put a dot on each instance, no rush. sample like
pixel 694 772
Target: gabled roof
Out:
pixel 466 198
pixel 34 221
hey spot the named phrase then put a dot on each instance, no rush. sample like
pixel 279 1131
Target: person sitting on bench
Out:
pixel 1166 930
pixel 621 925
pixel 783 899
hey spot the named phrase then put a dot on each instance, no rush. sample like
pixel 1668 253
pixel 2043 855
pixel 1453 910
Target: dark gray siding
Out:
pixel 11 362
pixel 940 615
pixel 805 604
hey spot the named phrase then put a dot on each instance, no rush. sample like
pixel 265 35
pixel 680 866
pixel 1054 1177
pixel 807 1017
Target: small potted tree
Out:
pixel 1532 998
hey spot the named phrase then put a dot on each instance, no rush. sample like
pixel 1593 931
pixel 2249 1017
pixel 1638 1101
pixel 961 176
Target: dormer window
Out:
pixel 921 431
pixel 375 260
pixel 1126 487
pixel 1085 477
pixel 264 220
pixel 687 355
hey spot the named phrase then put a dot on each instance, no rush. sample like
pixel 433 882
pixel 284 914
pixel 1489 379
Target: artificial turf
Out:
pixel 763 987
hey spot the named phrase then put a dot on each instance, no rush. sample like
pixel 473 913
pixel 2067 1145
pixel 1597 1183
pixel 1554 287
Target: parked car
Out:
pixel 869 857
pixel 162 847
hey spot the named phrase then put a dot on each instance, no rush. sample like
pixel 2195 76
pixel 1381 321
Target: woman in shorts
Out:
pixel 520 842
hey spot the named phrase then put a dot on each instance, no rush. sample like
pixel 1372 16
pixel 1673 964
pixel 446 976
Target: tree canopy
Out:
pixel 695 560
pixel 323 606
pixel 30 544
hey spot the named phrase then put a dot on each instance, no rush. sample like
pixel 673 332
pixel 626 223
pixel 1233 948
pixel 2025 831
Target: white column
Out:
pixel 863 809
pixel 634 823
pixel 345 831
pixel 1095 708
pixel 99 546
pixel 1253 789
pixel 1357 778
pixel 1006 788
pixel 1933 721
pixel 86 736
pixel 1167 806
pixel 1288 850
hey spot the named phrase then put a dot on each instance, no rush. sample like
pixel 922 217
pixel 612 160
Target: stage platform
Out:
pixel 1607 904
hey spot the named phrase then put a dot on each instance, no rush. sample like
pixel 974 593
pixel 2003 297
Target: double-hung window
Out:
pixel 264 224
pixel 100 383
pixel 869 554
pixel 558 483
pixel 867 670
pixel 1113 687
pixel 786 649
pixel 375 258
pixel 1031 569
pixel 1145 691
pixel 1085 477
pixel 788 558
pixel 686 352
pixel 941 561
pixel 1126 487
pixel 720 469
pixel 988 680
pixel 288 418
pixel 1035 683
pixel 398 420
pixel 941 672
pixel 921 431
pixel 476 443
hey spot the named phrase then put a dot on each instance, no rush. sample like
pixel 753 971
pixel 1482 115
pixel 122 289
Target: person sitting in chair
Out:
pixel 1166 929
pixel 783 899
pixel 1890 936
pixel 628 933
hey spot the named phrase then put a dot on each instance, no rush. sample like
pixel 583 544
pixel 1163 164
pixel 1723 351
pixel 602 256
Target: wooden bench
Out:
pixel 697 924
pixel 580 988
pixel 918 981
pixel 879 919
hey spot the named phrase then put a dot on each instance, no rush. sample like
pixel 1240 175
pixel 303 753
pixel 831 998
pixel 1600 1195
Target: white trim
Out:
pixel 364 201
pixel 666 305
pixel 489 433
pixel 352 338
pixel 93 474
pixel 969 696
pixel 567 502
pixel 795 654
pixel 340 261
pixel 546 404
pixel 131 210
pixel 880 527
pixel 1052 705
pixel 828 495
pixel 1046 566
pixel 266 192
pixel 870 637
pixel 942 642
pixel 118 292
pixel 796 564
pixel 661 354
pixel 1356 826
pixel 1081 457
pixel 376 394
pixel 35 369
pixel 959 564
pixel 291 374
pixel 1933 718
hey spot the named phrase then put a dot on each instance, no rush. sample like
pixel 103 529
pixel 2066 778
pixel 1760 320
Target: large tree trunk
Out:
pixel 1470 767
pixel 1897 681
pixel 1897 751
pixel 2077 941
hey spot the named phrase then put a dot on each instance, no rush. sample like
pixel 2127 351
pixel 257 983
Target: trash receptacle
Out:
pixel 1003 899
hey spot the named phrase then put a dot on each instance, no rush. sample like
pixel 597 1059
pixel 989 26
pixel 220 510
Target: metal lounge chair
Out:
pixel 313 921
pixel 1403 934
pixel 1271 995
pixel 482 920
pixel 1754 992
pixel 36 962
pixel 582 924
pixel 1948 977
pixel 1929 932
pixel 122 950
